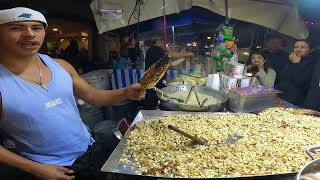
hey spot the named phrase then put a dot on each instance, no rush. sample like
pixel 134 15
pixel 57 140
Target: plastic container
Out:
pixel 103 133
pixel 98 78
pixel 251 103
pixel 91 115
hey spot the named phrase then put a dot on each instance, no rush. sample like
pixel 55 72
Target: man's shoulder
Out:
pixel 63 63
pixel 49 58
pixel 67 66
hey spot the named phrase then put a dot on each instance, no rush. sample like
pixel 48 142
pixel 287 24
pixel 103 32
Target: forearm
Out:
pixel 108 97
pixel 11 159
pixel 177 55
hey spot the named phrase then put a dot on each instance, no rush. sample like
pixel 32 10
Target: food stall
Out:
pixel 248 144
pixel 244 140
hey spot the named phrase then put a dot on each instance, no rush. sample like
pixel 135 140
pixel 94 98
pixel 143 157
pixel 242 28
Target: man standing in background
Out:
pixel 153 54
pixel 277 58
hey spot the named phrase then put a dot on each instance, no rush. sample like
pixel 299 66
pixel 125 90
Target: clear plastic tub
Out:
pixel 251 103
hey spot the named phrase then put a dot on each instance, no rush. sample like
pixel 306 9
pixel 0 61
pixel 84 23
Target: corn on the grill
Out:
pixel 273 142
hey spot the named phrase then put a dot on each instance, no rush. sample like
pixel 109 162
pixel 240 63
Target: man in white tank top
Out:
pixel 22 32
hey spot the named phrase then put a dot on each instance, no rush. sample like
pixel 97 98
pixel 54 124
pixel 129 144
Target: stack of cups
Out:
pixel 228 83
pixel 245 82
pixel 232 83
pixel 237 70
pixel 209 81
pixel 213 81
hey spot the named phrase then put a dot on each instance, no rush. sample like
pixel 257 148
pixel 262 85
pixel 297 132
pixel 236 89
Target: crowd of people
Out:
pixel 295 74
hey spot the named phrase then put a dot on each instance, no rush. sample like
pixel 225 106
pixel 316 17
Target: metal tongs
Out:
pixel 196 94
pixel 197 140
pixel 201 104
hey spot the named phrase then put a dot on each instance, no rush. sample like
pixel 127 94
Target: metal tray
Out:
pixel 112 165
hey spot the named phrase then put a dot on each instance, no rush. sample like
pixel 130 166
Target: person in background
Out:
pixel 296 75
pixel 262 73
pixel 73 49
pixel 38 107
pixel 80 60
pixel 153 54
pixel 276 56
pixel 72 52
pixel 312 100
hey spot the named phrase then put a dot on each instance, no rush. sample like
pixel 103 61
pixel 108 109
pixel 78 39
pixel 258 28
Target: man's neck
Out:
pixel 17 64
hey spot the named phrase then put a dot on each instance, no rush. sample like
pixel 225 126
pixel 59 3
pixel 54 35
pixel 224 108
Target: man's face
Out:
pixel 301 48
pixel 274 44
pixel 22 38
pixel 161 43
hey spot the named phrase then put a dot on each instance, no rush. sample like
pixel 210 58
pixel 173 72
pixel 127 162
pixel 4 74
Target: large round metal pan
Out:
pixel 174 106
pixel 312 169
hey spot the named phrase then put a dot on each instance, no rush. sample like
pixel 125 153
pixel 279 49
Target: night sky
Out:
pixel 310 10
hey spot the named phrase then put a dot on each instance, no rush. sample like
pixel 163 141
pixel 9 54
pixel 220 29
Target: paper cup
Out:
pixel 232 83
pixel 245 82
pixel 209 81
pixel 215 83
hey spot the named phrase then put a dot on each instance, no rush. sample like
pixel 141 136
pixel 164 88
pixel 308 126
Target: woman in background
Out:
pixel 262 73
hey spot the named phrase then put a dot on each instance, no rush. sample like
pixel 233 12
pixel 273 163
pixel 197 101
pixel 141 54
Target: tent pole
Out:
pixel 173 38
pixel 226 6
pixel 164 21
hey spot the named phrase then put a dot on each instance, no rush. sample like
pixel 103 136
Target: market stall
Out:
pixel 246 139
pixel 266 143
